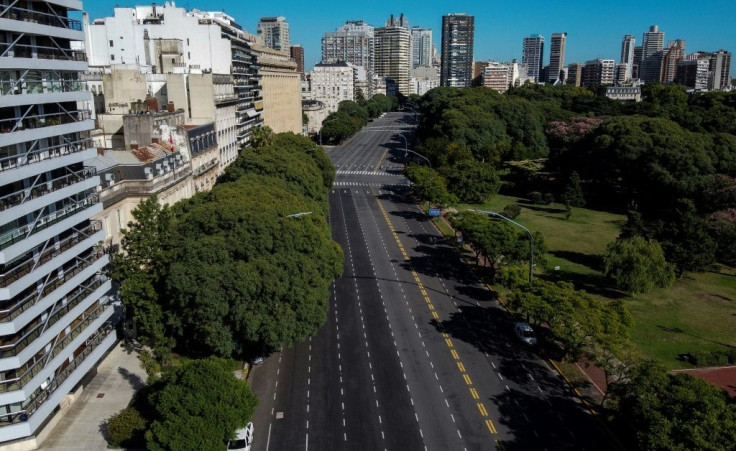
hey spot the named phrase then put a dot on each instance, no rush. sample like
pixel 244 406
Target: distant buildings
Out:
pixel 421 47
pixel 652 55
pixel 557 57
pixel 458 32
pixel 674 53
pixel 423 78
pixel 297 54
pixel 392 54
pixel 693 73
pixel 274 33
pixel 598 72
pixel 352 43
pixel 628 44
pixel 574 74
pixel 533 56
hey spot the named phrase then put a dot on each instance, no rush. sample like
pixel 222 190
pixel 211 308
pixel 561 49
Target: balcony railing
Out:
pixel 30 300
pixel 34 156
pixel 41 52
pixel 43 188
pixel 219 98
pixel 40 396
pixel 25 86
pixel 27 15
pixel 13 349
pixel 23 232
pixel 205 168
pixel 29 370
pixel 43 120
pixel 144 188
pixel 35 262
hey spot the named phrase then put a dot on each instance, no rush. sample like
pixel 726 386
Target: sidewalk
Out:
pixel 118 377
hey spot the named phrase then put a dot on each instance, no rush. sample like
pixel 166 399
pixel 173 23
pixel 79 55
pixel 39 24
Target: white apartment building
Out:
pixel 352 43
pixel 332 83
pixel 274 33
pixel 498 76
pixel 55 314
pixel 421 47
pixel 423 78
pixel 172 40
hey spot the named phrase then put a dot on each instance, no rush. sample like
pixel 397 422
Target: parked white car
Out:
pixel 243 439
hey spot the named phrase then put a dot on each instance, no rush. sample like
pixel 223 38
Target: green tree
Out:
pixel 126 428
pixel 637 265
pixel 676 411
pixel 261 136
pixel 573 193
pixel 199 406
pixel 427 185
pixel 141 267
pixel 472 181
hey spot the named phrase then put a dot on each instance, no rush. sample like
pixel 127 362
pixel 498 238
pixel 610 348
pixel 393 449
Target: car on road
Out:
pixel 525 333
pixel 257 360
pixel 243 439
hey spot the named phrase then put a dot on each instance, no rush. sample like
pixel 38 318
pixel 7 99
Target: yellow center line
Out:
pixel 461 367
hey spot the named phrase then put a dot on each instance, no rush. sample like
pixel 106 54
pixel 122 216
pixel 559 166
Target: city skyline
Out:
pixel 594 30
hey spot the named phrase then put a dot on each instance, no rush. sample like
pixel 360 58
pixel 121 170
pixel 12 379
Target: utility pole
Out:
pixel 531 237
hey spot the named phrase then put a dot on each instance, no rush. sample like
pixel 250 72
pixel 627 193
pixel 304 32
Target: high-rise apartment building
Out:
pixel 351 43
pixel 55 313
pixel 638 54
pixel 652 56
pixel 532 56
pixel 458 32
pixel 297 54
pixel 392 55
pixel 333 83
pixel 693 73
pixel 556 56
pixel 720 70
pixel 674 53
pixel 628 44
pixel 421 47
pixel 598 72
pixel 274 31
pixel 574 74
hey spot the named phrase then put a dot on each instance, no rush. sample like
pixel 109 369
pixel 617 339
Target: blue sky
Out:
pixel 594 28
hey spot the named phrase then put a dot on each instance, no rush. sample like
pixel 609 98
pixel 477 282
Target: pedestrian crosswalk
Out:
pixel 366 173
pixel 372 184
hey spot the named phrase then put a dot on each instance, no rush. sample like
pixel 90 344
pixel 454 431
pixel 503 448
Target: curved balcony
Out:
pixel 43 120
pixel 42 18
pixel 47 255
pixel 44 188
pixel 38 155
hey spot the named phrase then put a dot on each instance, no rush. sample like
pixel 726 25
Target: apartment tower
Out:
pixel 628 44
pixel 532 56
pixel 297 54
pixel 392 55
pixel 457 50
pixel 421 47
pixel 55 312
pixel 274 31
pixel 351 43
pixel 557 57
pixel 652 57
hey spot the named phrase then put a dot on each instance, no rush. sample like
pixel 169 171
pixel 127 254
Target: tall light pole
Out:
pixel 430 173
pixel 531 237
pixel 406 143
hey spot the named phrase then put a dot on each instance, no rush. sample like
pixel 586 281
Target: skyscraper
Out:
pixel 598 72
pixel 574 74
pixel 421 47
pixel 636 69
pixel 55 317
pixel 352 43
pixel 275 33
pixel 457 50
pixel 392 57
pixel 720 70
pixel 556 56
pixel 674 53
pixel 652 57
pixel 627 55
pixel 532 56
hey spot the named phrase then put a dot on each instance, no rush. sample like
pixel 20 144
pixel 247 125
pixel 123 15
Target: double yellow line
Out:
pixel 448 341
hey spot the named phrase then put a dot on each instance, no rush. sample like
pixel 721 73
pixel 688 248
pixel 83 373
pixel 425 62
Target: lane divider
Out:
pixel 448 341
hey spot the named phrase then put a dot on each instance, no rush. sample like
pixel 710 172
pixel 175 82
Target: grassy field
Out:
pixel 697 313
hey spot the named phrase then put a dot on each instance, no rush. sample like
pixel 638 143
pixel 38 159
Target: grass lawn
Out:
pixel 697 313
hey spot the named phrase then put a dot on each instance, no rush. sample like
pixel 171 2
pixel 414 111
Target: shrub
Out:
pixel 511 211
pixel 126 428
pixel 535 197
pixel 549 198
pixel 714 358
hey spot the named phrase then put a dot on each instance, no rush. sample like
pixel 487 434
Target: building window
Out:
pixel 112 57
pixel 112 43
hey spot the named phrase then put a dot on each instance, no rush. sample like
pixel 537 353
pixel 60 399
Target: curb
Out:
pixel 556 367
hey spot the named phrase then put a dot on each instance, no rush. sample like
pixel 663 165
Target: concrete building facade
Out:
pixel 574 74
pixel 423 79
pixel 392 55
pixel 421 47
pixel 56 312
pixel 332 83
pixel 274 33
pixel 651 59
pixel 458 35
pixel 351 43
pixel 532 56
pixel 281 90
pixel 297 54
pixel 558 42
pixel 598 72
pixel 628 44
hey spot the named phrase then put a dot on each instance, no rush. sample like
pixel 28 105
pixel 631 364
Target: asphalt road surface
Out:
pixel 415 354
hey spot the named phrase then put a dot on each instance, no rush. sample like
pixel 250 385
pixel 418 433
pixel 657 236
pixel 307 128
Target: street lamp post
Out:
pixel 531 237
pixel 430 172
